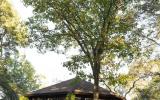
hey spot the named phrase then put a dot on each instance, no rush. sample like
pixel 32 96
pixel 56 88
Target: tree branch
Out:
pixel 74 31
pixel 154 41
pixel 110 90
pixel 134 83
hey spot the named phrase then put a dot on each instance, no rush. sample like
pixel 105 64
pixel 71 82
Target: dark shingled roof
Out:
pixel 74 85
pixel 70 86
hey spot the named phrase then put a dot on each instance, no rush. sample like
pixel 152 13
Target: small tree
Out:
pixel 70 96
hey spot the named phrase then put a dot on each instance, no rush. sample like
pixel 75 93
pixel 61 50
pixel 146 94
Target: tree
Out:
pixel 7 90
pixel 143 75
pixel 146 72
pixel 17 76
pixel 152 91
pixel 13 32
pixel 145 67
pixel 127 83
pixel 100 29
pixel 11 35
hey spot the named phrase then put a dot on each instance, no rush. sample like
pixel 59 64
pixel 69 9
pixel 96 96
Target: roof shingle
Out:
pixel 70 86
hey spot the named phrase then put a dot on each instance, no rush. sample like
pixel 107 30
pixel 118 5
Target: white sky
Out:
pixel 49 64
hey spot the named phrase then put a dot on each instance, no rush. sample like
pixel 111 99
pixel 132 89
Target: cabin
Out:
pixel 73 88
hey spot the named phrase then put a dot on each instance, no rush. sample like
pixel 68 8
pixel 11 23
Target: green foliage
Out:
pixel 16 74
pixel 104 31
pixel 94 26
pixel 12 32
pixel 144 80
pixel 24 76
pixel 70 96
pixel 23 98
pixel 144 66
pixel 152 91
pixel 19 75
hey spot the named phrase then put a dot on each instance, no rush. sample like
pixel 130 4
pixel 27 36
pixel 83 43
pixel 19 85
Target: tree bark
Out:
pixel 96 71
pixel 96 89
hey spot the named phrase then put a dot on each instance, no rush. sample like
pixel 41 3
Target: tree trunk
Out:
pixel 96 89
pixel 96 71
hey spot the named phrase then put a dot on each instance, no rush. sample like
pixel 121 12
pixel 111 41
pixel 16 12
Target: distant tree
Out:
pixel 152 91
pixel 13 32
pixel 100 29
pixel 149 23
pixel 6 90
pixel 17 76
pixel 146 80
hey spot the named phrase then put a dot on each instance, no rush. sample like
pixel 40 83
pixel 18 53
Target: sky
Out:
pixel 50 64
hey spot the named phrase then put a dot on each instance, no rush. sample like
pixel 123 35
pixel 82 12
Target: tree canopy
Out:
pixel 104 31
pixel 17 75
pixel 12 31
